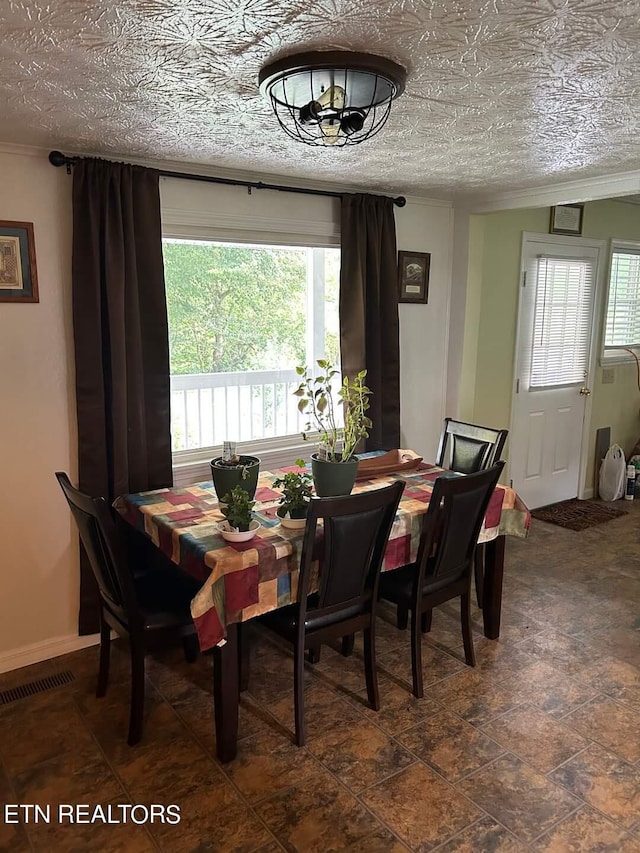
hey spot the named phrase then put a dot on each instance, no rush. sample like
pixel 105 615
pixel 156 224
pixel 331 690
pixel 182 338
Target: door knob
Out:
pixel 585 392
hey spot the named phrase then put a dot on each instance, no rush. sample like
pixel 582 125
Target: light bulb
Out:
pixel 332 98
pixel 330 132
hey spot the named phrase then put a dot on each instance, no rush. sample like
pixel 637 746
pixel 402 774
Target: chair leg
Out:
pixel 137 693
pixel 190 647
pixel 425 621
pixel 478 567
pixel 348 643
pixel 416 655
pixel 298 691
pixel 402 617
pixel 370 669
pixel 105 657
pixel 467 636
pixel 244 656
pixel 314 654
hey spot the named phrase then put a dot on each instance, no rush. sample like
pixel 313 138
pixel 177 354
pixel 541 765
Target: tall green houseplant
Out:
pixel 318 400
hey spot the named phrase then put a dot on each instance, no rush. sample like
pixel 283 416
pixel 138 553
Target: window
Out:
pixel 561 321
pixel 241 318
pixel 622 324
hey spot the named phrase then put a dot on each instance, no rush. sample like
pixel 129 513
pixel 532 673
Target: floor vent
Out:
pixel 22 691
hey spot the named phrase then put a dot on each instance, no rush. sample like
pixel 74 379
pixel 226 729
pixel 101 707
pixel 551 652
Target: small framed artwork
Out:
pixel 18 275
pixel 413 276
pixel 566 219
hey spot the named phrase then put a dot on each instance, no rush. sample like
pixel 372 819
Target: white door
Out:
pixel 554 366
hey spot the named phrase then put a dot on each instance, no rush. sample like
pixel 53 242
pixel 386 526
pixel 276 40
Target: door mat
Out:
pixel 577 515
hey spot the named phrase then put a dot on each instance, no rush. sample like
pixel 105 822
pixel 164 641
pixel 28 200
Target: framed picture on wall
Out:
pixel 18 275
pixel 413 276
pixel 566 219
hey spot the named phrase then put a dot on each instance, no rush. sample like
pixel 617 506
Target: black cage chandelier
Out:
pixel 332 97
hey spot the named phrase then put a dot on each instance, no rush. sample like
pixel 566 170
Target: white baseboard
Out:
pixel 587 494
pixel 37 652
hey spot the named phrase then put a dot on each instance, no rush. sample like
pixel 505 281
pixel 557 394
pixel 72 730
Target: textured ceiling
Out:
pixel 500 95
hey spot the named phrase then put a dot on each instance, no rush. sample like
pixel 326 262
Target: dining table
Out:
pixel 242 580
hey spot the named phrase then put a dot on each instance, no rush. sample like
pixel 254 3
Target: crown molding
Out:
pixel 23 150
pixel 283 180
pixel 561 192
pixel 231 174
pixel 567 192
pixel 585 189
pixel 425 201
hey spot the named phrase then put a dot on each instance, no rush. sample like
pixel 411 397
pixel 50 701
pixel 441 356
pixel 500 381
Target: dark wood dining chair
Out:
pixel 356 529
pixel 468 448
pixel 443 567
pixel 137 599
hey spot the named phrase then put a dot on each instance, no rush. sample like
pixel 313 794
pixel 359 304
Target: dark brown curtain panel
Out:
pixel 369 336
pixel 121 340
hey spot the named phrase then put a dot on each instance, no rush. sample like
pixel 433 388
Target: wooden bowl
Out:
pixel 393 461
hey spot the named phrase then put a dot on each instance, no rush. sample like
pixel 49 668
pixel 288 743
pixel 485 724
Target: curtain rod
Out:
pixel 57 158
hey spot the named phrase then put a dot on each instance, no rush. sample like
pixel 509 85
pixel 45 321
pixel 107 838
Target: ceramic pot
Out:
pixel 292 523
pixel 226 478
pixel 232 535
pixel 333 478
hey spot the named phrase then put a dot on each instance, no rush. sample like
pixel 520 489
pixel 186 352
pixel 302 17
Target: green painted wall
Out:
pixel 491 317
pixel 473 305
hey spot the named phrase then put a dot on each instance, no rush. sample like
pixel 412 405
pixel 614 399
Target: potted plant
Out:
pixel 231 470
pixel 335 464
pixel 296 494
pixel 239 524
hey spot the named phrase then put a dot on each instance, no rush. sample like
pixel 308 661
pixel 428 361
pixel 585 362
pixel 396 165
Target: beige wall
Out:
pixel 424 329
pixel 491 316
pixel 38 559
pixel 38 542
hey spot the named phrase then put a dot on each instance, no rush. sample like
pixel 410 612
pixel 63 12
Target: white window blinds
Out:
pixel 562 321
pixel 622 326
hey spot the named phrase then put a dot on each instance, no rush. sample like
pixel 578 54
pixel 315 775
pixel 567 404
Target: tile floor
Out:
pixel 537 748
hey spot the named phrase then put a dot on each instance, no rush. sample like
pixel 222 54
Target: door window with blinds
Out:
pixel 622 323
pixel 562 321
pixel 558 300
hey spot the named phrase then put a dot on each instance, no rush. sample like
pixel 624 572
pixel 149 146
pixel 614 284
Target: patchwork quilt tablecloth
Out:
pixel 243 580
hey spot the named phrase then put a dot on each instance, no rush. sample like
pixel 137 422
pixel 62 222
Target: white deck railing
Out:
pixel 209 408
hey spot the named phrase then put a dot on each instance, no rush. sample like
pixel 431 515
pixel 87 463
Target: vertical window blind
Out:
pixel 622 326
pixel 562 321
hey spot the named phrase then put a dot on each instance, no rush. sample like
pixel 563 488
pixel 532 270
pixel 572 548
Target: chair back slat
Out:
pixel 349 542
pixel 105 550
pixel 356 529
pixel 452 524
pixel 468 448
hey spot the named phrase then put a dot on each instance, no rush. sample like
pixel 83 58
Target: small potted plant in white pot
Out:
pixel 239 524
pixel 335 464
pixel 296 495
